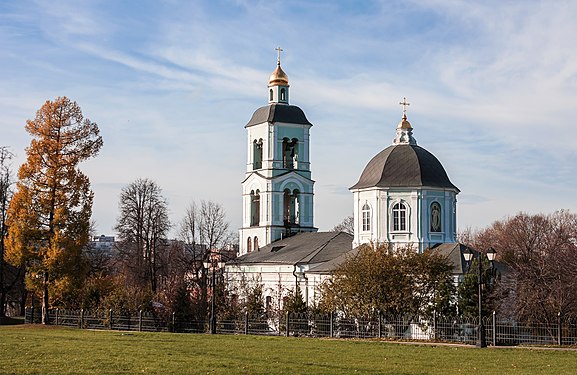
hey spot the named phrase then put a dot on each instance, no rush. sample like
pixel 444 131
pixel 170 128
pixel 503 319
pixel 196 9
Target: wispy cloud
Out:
pixel 493 87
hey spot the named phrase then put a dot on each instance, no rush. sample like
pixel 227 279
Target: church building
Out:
pixel 403 197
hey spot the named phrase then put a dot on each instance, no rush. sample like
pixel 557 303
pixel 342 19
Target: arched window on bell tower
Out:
pixel 254 208
pixel 290 153
pixel 255 243
pixel 248 245
pixel 257 154
pixel 291 207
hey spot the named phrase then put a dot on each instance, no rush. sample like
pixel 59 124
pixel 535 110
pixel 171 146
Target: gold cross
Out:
pixel 279 51
pixel 404 104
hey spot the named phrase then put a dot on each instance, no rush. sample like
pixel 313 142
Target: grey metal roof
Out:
pixel 302 248
pixel 404 166
pixel 278 113
pixel 454 253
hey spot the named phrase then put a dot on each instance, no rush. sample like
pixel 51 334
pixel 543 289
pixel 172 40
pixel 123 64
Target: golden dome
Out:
pixel 278 77
pixel 404 124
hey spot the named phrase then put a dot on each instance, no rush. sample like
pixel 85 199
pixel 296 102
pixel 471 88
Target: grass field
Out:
pixel 49 350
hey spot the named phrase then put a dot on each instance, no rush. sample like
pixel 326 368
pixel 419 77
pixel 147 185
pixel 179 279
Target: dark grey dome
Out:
pixel 278 113
pixel 404 165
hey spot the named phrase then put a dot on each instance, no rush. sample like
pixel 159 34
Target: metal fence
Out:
pixel 559 332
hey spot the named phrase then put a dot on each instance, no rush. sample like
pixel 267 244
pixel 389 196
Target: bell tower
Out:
pixel 277 190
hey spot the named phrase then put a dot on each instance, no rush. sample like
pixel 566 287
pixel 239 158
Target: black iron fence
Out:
pixel 560 331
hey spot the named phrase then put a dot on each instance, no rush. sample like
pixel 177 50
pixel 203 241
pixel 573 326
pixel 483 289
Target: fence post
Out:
pixel 435 325
pixel 110 319
pixel 287 324
pixel 81 322
pixel 379 325
pixel 559 327
pixel 331 324
pixel 494 328
pixel 246 322
pixel 173 321
pixel 57 316
pixel 139 320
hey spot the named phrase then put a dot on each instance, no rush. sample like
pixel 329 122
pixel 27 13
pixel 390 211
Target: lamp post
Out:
pixel 213 266
pixel 469 255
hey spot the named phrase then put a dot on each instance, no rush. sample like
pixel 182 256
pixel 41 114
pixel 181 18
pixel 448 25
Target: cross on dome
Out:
pixel 279 50
pixel 403 103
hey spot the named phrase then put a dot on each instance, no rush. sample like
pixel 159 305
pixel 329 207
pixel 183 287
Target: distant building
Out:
pixel 102 244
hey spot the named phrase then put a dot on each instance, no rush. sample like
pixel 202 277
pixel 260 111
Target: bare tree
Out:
pixel 205 232
pixel 142 228
pixel 541 254
pixel 214 229
pixel 347 225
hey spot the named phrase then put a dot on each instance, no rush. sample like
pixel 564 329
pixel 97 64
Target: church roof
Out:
pixel 404 165
pixel 302 248
pixel 454 253
pixel 278 113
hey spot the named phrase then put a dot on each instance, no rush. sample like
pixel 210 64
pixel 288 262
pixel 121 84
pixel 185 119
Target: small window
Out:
pixel 271 95
pixel 399 217
pixel 366 216
pixel 282 95
pixel 436 218
pixel 248 245
pixel 255 243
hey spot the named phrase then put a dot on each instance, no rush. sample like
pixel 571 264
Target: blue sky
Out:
pixel 171 84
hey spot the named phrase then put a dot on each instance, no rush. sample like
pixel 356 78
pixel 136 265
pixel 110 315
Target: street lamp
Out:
pixel 213 266
pixel 469 255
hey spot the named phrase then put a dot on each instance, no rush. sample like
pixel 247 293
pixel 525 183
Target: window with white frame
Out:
pixel 366 216
pixel 399 217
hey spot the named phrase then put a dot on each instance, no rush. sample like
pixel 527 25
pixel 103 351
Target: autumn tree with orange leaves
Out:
pixel 49 215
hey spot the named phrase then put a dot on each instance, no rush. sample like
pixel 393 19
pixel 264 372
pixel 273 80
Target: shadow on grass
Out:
pixel 9 321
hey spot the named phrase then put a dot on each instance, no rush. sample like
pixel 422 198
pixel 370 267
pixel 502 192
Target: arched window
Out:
pixel 366 215
pixel 399 217
pixel 255 243
pixel 248 245
pixel 290 152
pixel 254 208
pixel 291 207
pixel 282 95
pixel 436 218
pixel 270 95
pixel 257 154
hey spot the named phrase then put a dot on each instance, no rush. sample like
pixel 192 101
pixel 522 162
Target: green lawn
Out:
pixel 49 350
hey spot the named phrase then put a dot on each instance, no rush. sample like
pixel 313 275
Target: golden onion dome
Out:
pixel 404 124
pixel 278 77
